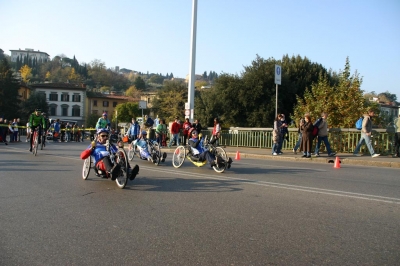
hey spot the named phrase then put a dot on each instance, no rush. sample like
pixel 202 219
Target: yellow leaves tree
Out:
pixel 26 73
pixel 133 92
pixel 48 75
pixel 73 75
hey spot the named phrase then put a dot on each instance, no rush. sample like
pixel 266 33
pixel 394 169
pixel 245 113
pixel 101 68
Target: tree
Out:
pixel 35 100
pixel 9 97
pixel 26 73
pixel 105 89
pixel 133 92
pixel 343 102
pixel 126 111
pixel 170 100
pixel 73 76
pixel 139 83
pixel 156 79
pixel 387 97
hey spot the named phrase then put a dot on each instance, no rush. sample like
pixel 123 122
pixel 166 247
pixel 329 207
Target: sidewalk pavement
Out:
pixel 288 155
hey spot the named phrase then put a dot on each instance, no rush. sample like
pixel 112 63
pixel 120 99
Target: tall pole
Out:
pixel 192 74
pixel 276 102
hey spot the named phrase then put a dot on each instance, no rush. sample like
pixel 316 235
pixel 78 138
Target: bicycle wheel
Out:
pixel 122 159
pixel 35 144
pixel 87 163
pixel 221 154
pixel 179 156
pixel 156 149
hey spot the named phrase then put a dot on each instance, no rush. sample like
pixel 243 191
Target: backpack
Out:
pixel 359 123
pixel 149 122
pixel 315 128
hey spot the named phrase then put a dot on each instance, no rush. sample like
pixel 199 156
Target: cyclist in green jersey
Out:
pixel 36 120
pixel 103 122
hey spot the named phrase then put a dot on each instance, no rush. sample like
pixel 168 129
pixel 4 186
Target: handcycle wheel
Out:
pixel 219 152
pixel 179 156
pixel 132 151
pixel 87 163
pixel 156 149
pixel 122 159
pixel 35 144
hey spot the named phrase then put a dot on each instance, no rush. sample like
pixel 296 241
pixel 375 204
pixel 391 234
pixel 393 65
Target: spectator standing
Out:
pixel 174 130
pixel 306 137
pixel 186 126
pixel 278 135
pixel 161 132
pixel 2 130
pixel 284 132
pixel 63 134
pixel 323 136
pixel 197 126
pixel 157 121
pixel 216 131
pixel 14 137
pixel 82 133
pixel 133 131
pixel 68 132
pixel 397 137
pixel 297 145
pixel 366 133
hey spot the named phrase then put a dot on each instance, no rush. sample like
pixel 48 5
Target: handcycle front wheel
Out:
pixel 87 163
pixel 179 156
pixel 220 153
pixel 122 159
pixel 131 151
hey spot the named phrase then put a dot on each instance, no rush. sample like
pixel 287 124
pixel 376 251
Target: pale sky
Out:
pixel 154 35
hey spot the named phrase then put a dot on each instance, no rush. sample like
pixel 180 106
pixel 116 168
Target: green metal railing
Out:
pixel 341 140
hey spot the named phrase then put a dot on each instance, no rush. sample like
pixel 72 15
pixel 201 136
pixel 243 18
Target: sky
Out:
pixel 155 35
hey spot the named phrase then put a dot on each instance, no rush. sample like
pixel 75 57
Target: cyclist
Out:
pixel 144 149
pixel 103 122
pixel 36 120
pixel 102 161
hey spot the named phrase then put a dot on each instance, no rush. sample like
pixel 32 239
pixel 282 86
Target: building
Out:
pixel 24 91
pixel 66 101
pixel 98 103
pixel 30 53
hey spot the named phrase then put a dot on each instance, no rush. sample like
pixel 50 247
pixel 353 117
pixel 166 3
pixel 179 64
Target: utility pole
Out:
pixel 192 74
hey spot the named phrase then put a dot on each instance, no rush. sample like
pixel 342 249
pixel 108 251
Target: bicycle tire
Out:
pixel 121 159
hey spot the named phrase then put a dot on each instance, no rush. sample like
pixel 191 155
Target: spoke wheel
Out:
pixel 219 152
pixel 87 163
pixel 132 151
pixel 122 159
pixel 35 145
pixel 179 156
pixel 157 151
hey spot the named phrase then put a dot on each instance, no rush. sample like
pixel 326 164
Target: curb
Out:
pixel 346 161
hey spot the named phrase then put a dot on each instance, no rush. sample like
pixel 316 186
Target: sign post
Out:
pixel 278 72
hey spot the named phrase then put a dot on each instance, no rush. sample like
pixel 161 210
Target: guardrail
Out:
pixel 340 139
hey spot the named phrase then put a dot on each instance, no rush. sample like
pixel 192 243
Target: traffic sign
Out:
pixel 187 112
pixel 278 72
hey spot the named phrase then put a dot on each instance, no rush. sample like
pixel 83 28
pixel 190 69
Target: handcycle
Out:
pixel 118 158
pixel 155 151
pixel 185 152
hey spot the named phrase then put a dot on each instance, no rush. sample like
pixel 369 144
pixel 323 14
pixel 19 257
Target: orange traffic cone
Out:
pixel 337 163
pixel 237 156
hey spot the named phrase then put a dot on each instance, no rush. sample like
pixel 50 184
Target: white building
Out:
pixel 30 53
pixel 66 101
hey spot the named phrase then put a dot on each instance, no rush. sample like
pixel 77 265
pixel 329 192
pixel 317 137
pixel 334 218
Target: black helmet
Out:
pixel 38 110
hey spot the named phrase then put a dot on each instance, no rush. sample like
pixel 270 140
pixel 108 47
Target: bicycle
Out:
pixel 35 141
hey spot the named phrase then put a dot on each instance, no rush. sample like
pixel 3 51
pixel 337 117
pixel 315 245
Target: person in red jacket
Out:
pixel 175 129
pixel 186 126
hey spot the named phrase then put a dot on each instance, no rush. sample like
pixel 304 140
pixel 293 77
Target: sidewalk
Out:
pixel 288 155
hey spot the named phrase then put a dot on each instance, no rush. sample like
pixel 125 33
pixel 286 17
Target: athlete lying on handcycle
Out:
pixel 101 154
pixel 147 149
pixel 200 152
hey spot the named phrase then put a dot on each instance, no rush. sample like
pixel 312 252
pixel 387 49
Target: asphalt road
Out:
pixel 260 212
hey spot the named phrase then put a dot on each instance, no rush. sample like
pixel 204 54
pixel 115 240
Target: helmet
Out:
pixel 104 114
pixel 38 110
pixel 191 131
pixel 144 132
pixel 102 130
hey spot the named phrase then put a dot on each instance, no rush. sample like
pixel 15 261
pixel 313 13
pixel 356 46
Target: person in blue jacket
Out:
pixel 133 131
